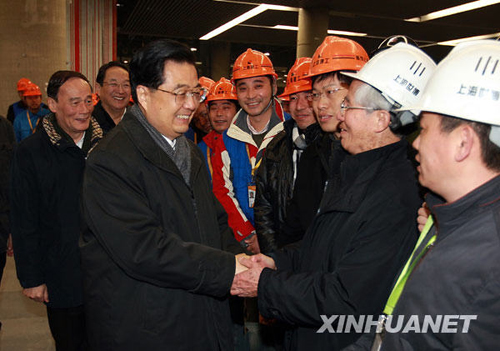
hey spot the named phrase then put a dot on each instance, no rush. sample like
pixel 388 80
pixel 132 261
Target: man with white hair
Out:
pixel 365 227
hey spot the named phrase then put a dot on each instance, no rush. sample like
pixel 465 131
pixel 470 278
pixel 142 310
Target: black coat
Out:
pixel 313 172
pixel 47 174
pixel 459 275
pixel 155 277
pixel 103 118
pixel 275 187
pixel 363 233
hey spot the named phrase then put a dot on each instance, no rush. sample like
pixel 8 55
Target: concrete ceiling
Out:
pixel 187 20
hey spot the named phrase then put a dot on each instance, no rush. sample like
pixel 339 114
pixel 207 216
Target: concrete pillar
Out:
pixel 220 56
pixel 33 39
pixel 39 37
pixel 313 27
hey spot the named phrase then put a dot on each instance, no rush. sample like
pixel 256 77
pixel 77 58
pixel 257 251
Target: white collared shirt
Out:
pixel 80 142
pixel 171 142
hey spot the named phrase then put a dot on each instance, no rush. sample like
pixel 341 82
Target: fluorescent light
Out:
pixel 454 10
pixel 246 16
pixel 281 8
pixel 234 22
pixel 478 37
pixel 344 32
pixel 194 49
pixel 280 26
pixel 330 31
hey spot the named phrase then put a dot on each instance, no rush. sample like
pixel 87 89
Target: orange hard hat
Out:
pixel 298 79
pixel 206 82
pixel 284 97
pixel 337 54
pixel 32 90
pixel 95 99
pixel 222 90
pixel 22 83
pixel 252 63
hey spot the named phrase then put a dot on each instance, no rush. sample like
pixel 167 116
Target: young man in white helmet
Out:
pixel 453 277
pixel 365 227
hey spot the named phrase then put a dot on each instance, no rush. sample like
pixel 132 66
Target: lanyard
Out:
pixel 254 168
pixel 209 159
pixel 409 266
pixel 29 121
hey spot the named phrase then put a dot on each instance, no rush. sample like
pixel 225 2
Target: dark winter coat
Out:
pixel 155 277
pixel 459 275
pixel 364 231
pixel 275 187
pixel 313 172
pixel 47 174
pixel 103 118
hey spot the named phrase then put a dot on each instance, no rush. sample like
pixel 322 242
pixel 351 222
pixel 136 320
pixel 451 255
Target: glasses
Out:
pixel 329 93
pixel 113 85
pixel 198 95
pixel 344 108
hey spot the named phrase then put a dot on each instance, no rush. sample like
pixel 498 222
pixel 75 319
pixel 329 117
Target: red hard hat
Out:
pixel 22 83
pixel 298 79
pixel 32 90
pixel 337 54
pixel 222 90
pixel 252 63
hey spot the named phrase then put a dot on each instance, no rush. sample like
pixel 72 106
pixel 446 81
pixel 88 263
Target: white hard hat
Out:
pixel 400 73
pixel 466 85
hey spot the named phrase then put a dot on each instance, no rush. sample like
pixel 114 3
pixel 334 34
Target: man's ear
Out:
pixel 98 89
pixel 275 87
pixel 464 136
pixel 382 120
pixel 143 95
pixel 52 104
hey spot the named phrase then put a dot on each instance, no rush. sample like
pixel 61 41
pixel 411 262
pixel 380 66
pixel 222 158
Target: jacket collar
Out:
pixel 58 138
pixel 454 214
pixel 152 152
pixel 239 129
pixel 312 133
pixel 211 139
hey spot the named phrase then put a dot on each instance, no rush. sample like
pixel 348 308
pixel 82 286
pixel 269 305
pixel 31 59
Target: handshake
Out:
pixel 247 275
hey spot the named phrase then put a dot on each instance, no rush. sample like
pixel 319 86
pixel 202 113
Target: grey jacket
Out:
pixel 459 275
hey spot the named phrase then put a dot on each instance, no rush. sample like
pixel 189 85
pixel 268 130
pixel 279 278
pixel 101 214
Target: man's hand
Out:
pixel 252 244
pixel 246 283
pixel 38 293
pixel 267 261
pixel 239 267
pixel 423 215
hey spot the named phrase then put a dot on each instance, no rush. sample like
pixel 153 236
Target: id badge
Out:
pixel 252 189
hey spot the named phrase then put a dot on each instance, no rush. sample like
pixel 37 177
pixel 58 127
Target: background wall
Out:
pixel 39 37
pixel 33 40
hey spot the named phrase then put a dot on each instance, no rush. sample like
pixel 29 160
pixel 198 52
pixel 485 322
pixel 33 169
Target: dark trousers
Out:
pixel 67 326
